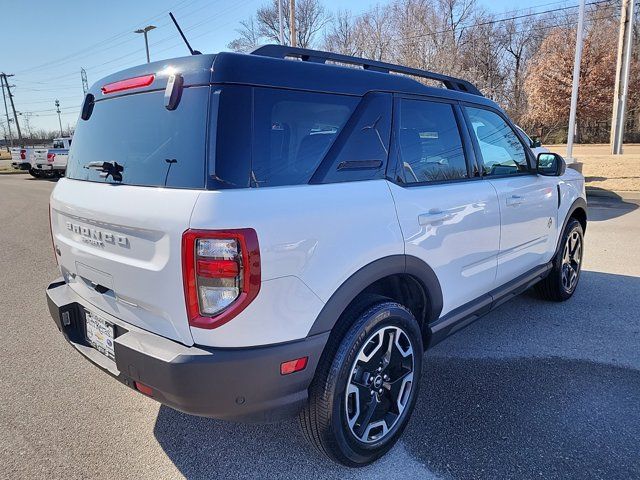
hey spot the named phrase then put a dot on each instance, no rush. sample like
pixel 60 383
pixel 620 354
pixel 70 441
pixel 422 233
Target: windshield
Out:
pixel 155 146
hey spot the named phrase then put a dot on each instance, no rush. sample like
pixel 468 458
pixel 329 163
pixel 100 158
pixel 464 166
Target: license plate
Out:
pixel 100 334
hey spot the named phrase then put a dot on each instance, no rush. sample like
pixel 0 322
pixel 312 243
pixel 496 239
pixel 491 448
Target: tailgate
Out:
pixel 120 249
pixel 40 155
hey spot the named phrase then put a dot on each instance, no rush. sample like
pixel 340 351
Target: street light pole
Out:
pixel 623 66
pixel 6 111
pixel 59 121
pixel 292 22
pixel 144 31
pixel 280 25
pixel 576 82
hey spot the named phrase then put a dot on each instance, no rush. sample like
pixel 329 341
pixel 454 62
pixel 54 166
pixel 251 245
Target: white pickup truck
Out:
pixel 43 161
pixel 54 162
pixel 25 158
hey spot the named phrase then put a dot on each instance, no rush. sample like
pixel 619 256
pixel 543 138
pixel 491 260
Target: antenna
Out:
pixel 175 22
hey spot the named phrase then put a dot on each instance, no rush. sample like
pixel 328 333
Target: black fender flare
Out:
pixel 578 203
pixel 376 270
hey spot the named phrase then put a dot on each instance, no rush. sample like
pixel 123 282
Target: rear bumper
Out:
pixel 48 166
pixel 235 384
pixel 21 165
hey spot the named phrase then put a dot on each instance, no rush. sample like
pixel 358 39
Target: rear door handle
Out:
pixel 433 216
pixel 514 200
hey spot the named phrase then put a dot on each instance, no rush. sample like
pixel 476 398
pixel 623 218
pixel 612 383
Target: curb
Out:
pixel 618 195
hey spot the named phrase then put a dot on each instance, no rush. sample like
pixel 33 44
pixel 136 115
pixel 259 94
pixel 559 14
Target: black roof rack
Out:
pixel 317 56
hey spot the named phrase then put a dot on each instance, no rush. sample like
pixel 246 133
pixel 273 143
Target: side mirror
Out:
pixel 535 142
pixel 550 164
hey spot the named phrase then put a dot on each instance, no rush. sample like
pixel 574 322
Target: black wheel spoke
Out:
pixel 381 379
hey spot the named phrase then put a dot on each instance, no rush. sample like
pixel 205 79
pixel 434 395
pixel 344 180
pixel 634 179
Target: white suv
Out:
pixel 249 237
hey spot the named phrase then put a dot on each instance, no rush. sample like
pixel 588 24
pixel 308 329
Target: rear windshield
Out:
pixel 157 147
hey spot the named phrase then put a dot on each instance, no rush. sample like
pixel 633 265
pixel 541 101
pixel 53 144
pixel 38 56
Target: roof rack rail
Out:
pixel 317 56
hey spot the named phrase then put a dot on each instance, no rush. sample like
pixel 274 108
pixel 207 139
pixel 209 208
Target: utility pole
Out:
pixel 576 81
pixel 58 112
pixel 85 83
pixel 292 21
pixel 13 107
pixel 622 76
pixel 6 111
pixel 280 25
pixel 145 30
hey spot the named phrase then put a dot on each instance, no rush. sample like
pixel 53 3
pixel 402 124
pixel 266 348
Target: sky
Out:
pixel 46 43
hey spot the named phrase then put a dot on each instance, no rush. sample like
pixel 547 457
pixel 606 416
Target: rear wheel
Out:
pixel 34 173
pixel 366 386
pixel 562 281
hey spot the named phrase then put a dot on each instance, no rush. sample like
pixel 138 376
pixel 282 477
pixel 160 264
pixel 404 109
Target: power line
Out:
pixel 500 20
pixel 92 48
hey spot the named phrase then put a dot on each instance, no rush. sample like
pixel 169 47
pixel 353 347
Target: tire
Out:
pixel 563 278
pixel 34 173
pixel 333 419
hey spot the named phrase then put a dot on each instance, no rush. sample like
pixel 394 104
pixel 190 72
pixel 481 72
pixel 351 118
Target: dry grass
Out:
pixel 606 171
pixel 4 155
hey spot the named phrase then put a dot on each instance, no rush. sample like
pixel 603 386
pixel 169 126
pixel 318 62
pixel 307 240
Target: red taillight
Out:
pixel 142 388
pixel 51 157
pixel 23 154
pixel 293 365
pixel 217 268
pixel 221 274
pixel 128 84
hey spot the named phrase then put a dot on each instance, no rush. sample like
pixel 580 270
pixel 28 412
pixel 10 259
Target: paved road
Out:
pixel 533 389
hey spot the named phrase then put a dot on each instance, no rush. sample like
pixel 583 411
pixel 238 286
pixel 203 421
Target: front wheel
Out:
pixel 563 278
pixel 366 386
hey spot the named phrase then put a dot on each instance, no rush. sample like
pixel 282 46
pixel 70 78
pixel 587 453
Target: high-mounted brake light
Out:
pixel 128 84
pixel 221 274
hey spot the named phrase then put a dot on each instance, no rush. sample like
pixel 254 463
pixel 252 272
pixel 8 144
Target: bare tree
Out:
pixel 311 17
pixel 249 37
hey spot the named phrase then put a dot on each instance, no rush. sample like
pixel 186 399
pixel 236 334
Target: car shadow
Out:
pixel 534 389
pixel 605 205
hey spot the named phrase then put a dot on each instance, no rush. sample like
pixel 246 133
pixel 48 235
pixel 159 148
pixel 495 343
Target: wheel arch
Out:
pixel 577 210
pixel 395 276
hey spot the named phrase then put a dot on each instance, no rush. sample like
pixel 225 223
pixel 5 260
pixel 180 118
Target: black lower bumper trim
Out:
pixel 242 384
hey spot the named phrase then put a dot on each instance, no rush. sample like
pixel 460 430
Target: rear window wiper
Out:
pixel 107 168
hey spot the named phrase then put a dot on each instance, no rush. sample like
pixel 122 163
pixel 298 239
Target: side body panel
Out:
pixel 461 248
pixel 529 219
pixel 312 239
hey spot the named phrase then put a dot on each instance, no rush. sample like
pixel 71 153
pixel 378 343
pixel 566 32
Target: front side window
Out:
pixel 501 150
pixel 292 132
pixel 430 144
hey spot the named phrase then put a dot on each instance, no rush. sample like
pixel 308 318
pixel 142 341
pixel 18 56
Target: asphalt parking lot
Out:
pixel 534 389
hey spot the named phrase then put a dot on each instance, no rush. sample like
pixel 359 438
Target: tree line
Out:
pixel 522 59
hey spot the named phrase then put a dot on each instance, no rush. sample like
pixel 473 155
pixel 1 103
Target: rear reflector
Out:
pixel 128 84
pixel 293 366
pixel 142 388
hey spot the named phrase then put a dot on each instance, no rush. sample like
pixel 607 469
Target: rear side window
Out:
pixel 292 132
pixel 157 147
pixel 430 144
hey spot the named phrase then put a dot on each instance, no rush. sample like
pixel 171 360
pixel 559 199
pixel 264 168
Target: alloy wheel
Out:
pixel 380 384
pixel 571 259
